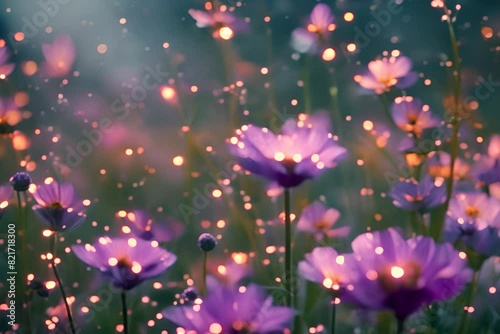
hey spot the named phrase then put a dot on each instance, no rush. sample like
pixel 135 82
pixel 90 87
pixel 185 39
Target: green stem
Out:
pixel 401 326
pixel 384 100
pixel 288 251
pixel 59 282
pixel 417 223
pixel 124 312
pixel 334 316
pixel 204 274
pixel 468 301
pixel 21 276
pixel 455 121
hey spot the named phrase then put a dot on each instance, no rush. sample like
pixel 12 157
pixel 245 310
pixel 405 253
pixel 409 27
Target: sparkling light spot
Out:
pixel 397 272
pixel 226 33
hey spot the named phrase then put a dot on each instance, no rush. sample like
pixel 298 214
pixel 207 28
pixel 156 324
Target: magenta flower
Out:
pixel 411 116
pixel 59 56
pixel 474 220
pixel 223 24
pixel 127 262
pixel 418 196
pixel 385 73
pixel 329 269
pixel 58 206
pixel 487 168
pixel 404 275
pixel 5 195
pixel 233 310
pixel 317 219
pixel 302 151
pixel 5 68
pixel 142 226
pixel 318 29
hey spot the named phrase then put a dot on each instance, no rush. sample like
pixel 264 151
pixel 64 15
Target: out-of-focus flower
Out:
pixel 385 73
pixel 142 226
pixel 59 56
pixel 318 29
pixel 418 196
pixel 58 206
pixel 474 220
pixel 207 242
pixel 5 68
pixel 404 275
pixel 223 24
pixel 411 116
pixel 5 195
pixel 20 181
pixel 439 166
pixel 233 310
pixel 302 151
pixel 487 169
pixel 317 219
pixel 326 267
pixel 10 116
pixel 127 262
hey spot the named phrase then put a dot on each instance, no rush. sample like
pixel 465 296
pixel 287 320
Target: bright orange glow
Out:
pixel 168 93
pixel 329 54
pixel 178 160
pixel 348 16
pixel 487 32
pixel 226 33
pixel 368 125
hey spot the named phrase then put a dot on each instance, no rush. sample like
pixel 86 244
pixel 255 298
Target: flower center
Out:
pixel 55 205
pixel 471 212
pixel 321 224
pixel 241 327
pixel 398 276
pixel 388 81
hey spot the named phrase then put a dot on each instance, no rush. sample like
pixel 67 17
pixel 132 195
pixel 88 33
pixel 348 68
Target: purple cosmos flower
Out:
pixel 142 226
pixel 319 27
pixel 487 169
pixel 303 150
pixel 59 56
pixel 317 219
pixel 223 24
pixel 388 72
pixel 404 275
pixel 326 267
pixel 5 68
pixel 411 116
pixel 58 206
pixel 127 262
pixel 5 195
pixel 474 219
pixel 233 310
pixel 9 116
pixel 418 196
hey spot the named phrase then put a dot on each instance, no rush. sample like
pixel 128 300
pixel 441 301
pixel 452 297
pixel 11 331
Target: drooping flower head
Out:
pixel 318 29
pixel 404 275
pixel 411 116
pixel 58 206
pixel 418 196
pixel 127 262
pixel 5 68
pixel 329 269
pixel 232 310
pixel 207 242
pixel 5 195
pixel 59 56
pixel 142 226
pixel 385 73
pixel 487 168
pixel 302 151
pixel 10 116
pixel 223 23
pixel 317 219
pixel 474 220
